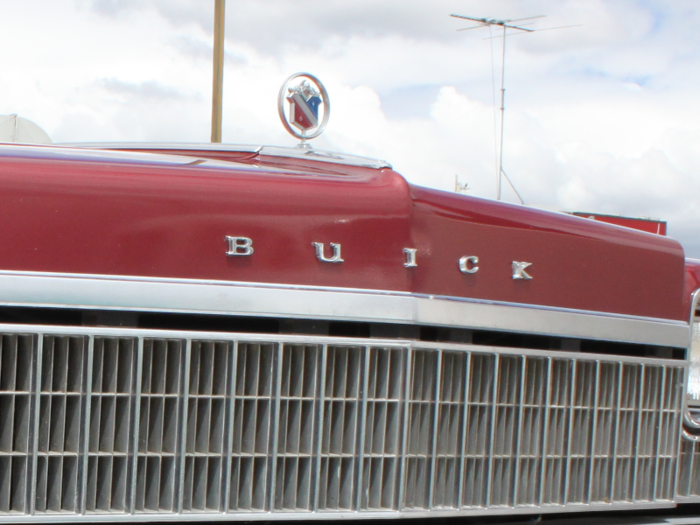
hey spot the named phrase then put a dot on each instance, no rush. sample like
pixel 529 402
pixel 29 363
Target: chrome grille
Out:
pixel 689 477
pixel 110 415
pixel 131 424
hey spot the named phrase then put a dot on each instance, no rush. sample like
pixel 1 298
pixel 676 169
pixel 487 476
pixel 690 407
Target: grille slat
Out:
pixel 119 425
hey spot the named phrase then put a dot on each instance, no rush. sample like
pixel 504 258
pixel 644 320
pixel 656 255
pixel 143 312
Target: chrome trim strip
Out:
pixel 333 516
pixel 328 157
pixel 687 417
pixel 271 300
pixel 149 333
pixel 134 146
pixel 324 156
pixel 690 437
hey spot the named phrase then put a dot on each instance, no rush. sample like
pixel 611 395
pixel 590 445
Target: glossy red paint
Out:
pixel 692 283
pixel 645 225
pixel 167 216
pixel 576 263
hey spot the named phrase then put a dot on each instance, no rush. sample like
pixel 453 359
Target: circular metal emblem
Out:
pixel 308 103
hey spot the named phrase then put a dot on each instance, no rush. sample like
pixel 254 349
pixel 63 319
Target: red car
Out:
pixel 217 332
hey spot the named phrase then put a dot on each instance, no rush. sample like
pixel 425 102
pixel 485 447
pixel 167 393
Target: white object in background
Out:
pixel 18 129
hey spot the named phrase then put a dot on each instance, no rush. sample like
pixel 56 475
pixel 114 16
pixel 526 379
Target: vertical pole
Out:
pixel 217 94
pixel 503 112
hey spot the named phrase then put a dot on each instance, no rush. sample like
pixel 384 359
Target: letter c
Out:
pixel 468 264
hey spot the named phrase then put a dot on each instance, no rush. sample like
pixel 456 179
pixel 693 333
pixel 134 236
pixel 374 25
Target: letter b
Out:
pixel 239 245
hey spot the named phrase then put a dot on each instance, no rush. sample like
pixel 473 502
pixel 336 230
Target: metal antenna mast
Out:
pixel 218 80
pixel 505 24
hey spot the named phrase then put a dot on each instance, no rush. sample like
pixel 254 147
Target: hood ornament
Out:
pixel 309 107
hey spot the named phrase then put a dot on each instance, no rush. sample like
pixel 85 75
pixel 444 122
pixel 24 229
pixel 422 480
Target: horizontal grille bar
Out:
pixel 131 425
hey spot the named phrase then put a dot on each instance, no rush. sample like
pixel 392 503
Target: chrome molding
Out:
pixel 694 372
pixel 266 300
pixel 689 461
pixel 110 424
pixel 135 146
pixel 689 468
pixel 272 151
pixel 325 156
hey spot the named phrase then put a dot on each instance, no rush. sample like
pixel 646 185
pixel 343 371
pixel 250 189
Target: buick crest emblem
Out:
pixel 304 106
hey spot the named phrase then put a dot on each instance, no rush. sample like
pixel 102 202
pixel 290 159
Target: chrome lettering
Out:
pixel 239 245
pixel 335 258
pixel 468 264
pixel 410 257
pixel 519 270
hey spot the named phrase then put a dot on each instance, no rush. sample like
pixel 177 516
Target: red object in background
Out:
pixel 645 225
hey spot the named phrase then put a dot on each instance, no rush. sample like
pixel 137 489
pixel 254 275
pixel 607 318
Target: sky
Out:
pixel 602 115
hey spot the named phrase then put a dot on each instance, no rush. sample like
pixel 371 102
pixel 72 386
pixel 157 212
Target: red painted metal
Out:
pixel 168 216
pixel 692 283
pixel 645 225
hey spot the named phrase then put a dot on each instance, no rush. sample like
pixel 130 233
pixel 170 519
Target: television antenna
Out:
pixel 517 25
pixel 461 187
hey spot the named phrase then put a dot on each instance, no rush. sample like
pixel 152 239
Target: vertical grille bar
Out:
pixel 530 446
pixel 208 402
pixel 16 383
pixel 159 447
pixel 400 466
pixel 86 424
pixel 463 434
pixel 504 424
pixel 558 443
pixel 675 437
pixel 35 427
pixel 136 425
pixel 518 431
pixel 179 489
pixel 594 433
pixel 657 487
pixel 582 438
pixel 668 453
pixel 252 443
pixel 296 425
pixel 383 435
pixel 359 497
pixel 605 432
pixel 638 430
pixel 421 417
pixel 617 432
pixel 449 431
pixel 545 468
pixel 687 468
pixel 109 423
pixel 230 418
pixel 320 417
pixel 277 385
pixel 435 428
pixel 341 439
pixel 627 436
pixel 569 444
pixel 479 433
pixel 648 421
pixel 60 414
pixel 492 429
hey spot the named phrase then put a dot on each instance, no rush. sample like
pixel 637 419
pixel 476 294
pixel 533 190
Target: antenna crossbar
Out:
pixel 505 24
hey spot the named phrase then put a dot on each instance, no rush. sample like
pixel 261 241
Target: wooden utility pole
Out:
pixel 218 83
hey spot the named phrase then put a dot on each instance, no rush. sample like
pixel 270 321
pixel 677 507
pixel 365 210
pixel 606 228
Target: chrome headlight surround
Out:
pixel 693 386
